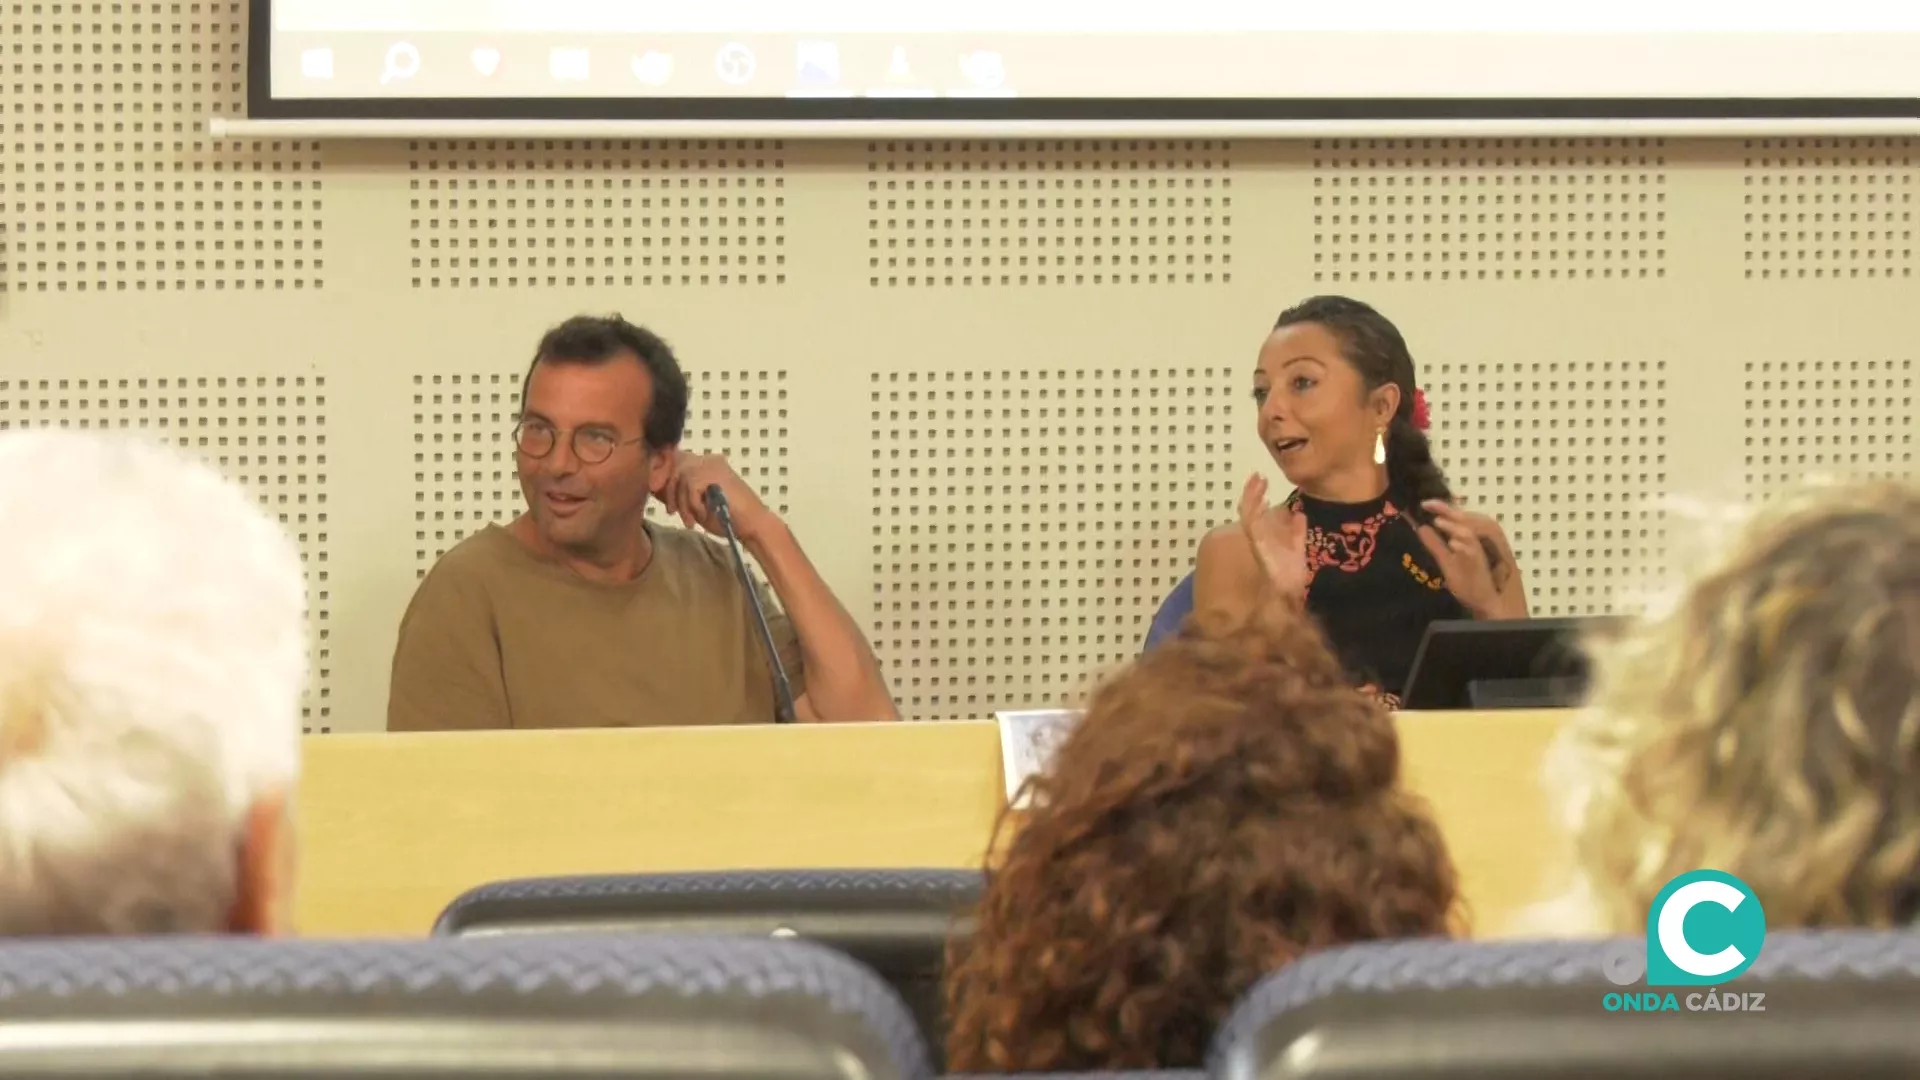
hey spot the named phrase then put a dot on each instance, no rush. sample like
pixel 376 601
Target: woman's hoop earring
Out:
pixel 1380 446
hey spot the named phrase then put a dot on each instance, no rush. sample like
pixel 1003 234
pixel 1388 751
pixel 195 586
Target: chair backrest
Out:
pixel 1830 1003
pixel 896 922
pixel 1136 1074
pixel 651 1008
pixel 1173 611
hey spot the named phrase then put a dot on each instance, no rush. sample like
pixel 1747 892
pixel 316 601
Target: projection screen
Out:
pixel 959 59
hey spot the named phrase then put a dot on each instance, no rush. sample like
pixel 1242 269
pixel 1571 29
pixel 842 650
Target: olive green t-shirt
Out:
pixel 498 637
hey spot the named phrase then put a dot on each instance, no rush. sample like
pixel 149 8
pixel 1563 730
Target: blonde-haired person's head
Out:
pixel 152 655
pixel 1768 725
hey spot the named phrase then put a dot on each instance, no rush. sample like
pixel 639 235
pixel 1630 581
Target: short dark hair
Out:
pixel 593 340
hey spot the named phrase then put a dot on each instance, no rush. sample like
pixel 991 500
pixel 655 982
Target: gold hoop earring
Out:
pixel 1380 446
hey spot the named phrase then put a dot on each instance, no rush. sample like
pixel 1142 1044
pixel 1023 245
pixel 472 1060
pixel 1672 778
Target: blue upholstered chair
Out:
pixel 1173 611
pixel 1137 1074
pixel 1836 1003
pixel 896 922
pixel 654 1007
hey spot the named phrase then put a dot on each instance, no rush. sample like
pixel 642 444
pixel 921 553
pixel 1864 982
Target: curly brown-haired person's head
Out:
pixel 1227 804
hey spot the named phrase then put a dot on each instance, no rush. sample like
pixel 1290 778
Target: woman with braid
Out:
pixel 1370 541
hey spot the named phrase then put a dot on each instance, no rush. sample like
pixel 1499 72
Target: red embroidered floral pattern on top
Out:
pixel 1374 588
pixel 1351 547
pixel 1431 581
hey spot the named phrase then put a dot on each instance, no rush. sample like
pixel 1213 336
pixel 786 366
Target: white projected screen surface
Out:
pixel 1075 49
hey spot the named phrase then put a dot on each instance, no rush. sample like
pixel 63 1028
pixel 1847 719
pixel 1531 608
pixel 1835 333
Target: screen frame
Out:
pixel 1456 652
pixel 262 105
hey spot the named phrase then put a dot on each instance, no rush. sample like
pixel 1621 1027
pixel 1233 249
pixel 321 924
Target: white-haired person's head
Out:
pixel 152 655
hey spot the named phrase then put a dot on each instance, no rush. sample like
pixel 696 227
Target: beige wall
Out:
pixel 997 387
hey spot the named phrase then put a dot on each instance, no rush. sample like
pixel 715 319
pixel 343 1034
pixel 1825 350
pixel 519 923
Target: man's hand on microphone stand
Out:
pixel 843 680
pixel 685 494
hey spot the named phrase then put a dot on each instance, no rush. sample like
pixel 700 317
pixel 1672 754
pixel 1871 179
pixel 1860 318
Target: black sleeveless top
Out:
pixel 1374 588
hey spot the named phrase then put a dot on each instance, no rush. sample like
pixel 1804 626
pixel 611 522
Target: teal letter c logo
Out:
pixel 1704 927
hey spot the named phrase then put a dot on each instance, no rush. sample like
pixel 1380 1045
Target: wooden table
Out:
pixel 1480 773
pixel 395 826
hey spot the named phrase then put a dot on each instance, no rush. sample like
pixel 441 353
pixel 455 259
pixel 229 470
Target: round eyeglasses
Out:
pixel 537 438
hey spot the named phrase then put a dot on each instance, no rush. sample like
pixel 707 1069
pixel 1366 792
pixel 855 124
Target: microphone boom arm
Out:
pixel 782 687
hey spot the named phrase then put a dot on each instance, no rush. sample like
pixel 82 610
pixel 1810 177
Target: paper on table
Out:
pixel 1028 739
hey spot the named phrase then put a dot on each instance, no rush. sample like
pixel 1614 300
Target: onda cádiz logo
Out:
pixel 1705 928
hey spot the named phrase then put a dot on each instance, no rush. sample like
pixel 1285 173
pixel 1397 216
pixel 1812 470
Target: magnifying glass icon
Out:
pixel 403 62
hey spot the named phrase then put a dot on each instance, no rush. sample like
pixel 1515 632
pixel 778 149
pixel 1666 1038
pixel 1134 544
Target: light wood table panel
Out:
pixel 395 826
pixel 1480 772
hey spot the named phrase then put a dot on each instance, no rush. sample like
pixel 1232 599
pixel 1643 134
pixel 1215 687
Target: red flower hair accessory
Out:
pixel 1420 415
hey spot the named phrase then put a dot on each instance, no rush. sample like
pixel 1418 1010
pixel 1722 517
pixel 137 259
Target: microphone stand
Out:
pixel 782 688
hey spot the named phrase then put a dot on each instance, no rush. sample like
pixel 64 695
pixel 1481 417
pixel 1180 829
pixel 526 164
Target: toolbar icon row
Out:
pixel 817 64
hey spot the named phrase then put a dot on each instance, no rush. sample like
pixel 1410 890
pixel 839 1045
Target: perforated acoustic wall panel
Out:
pixel 998 388
pixel 1829 208
pixel 944 213
pixel 108 182
pixel 560 214
pixel 267 433
pixel 1571 457
pixel 1026 524
pixel 464 468
pixel 1830 418
pixel 1489 210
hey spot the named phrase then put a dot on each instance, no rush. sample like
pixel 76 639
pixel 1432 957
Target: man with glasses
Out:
pixel 580 613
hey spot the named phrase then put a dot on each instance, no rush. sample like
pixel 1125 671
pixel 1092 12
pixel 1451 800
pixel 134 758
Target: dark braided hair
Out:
pixel 1376 350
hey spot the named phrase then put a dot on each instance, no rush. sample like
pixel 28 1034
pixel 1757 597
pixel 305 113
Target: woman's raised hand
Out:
pixel 1476 561
pixel 1278 535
